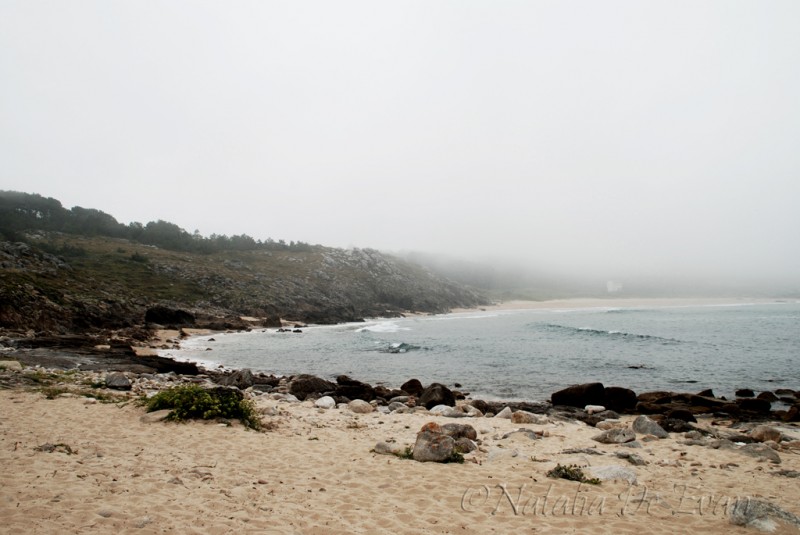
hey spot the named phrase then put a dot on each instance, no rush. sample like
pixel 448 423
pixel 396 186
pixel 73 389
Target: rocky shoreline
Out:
pixel 326 446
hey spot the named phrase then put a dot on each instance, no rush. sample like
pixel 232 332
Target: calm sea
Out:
pixel 528 354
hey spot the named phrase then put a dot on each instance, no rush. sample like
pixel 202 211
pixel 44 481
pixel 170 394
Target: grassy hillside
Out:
pixel 66 282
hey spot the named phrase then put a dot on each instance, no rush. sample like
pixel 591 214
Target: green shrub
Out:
pixel 193 401
pixel 571 473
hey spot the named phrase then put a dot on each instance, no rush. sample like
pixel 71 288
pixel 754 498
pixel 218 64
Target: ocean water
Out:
pixel 528 354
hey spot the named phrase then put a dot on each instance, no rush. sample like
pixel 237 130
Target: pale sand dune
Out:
pixel 315 473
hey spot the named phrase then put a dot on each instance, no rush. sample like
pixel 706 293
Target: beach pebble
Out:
pixel 397 406
pixel 524 417
pixel 11 365
pixel 764 433
pixel 615 436
pixel 360 406
pixel 155 416
pixel 613 472
pixel 472 411
pixel 605 425
pixel 498 454
pixel 592 409
pixel 325 402
pixel 385 448
pixel 505 413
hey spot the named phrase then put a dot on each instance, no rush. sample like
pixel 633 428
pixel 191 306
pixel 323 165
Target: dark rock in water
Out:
pixel 168 316
pixel 767 396
pixel 352 389
pixel 754 405
pixel 580 395
pixel 460 430
pixel 272 322
pixel 619 399
pixel 645 426
pixel 680 414
pixel 117 381
pixel 745 393
pixel 786 392
pixel 708 393
pixel 241 379
pixel 412 387
pixel 436 394
pixel 304 385
pixel 760 514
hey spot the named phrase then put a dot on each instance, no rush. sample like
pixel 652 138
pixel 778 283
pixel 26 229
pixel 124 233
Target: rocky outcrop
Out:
pixel 303 386
pixel 436 394
pixel 352 389
pixel 163 315
pixel 580 395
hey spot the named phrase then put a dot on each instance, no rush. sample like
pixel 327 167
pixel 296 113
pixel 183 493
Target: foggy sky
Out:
pixel 601 137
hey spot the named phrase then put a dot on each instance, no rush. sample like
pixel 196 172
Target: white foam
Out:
pixel 383 327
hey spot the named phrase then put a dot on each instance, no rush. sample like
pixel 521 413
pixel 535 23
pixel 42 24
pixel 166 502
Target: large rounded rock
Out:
pixel 580 395
pixel 645 426
pixel 360 406
pixel 412 387
pixel 433 447
pixel 436 394
pixel 241 379
pixel 118 381
pixel 619 399
pixel 304 385
pixel 352 389
pixel 459 430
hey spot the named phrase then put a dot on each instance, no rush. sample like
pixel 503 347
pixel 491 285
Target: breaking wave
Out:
pixel 600 333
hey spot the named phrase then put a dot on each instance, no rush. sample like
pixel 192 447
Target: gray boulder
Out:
pixel 760 514
pixel 645 426
pixel 460 430
pixel 118 381
pixel 241 379
pixel 436 394
pixel 433 447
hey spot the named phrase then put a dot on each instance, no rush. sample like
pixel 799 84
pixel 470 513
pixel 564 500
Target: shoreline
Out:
pixel 75 464
pixel 211 364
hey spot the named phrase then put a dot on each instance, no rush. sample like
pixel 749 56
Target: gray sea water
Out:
pixel 528 354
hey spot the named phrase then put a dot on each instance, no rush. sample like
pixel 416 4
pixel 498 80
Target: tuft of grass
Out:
pixel 407 453
pixel 52 392
pixel 571 473
pixel 455 457
pixel 194 402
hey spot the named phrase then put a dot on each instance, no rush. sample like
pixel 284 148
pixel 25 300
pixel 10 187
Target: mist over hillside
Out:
pixel 71 269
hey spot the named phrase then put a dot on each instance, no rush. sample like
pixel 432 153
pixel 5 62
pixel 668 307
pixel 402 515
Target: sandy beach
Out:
pixel 314 470
pixel 622 302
